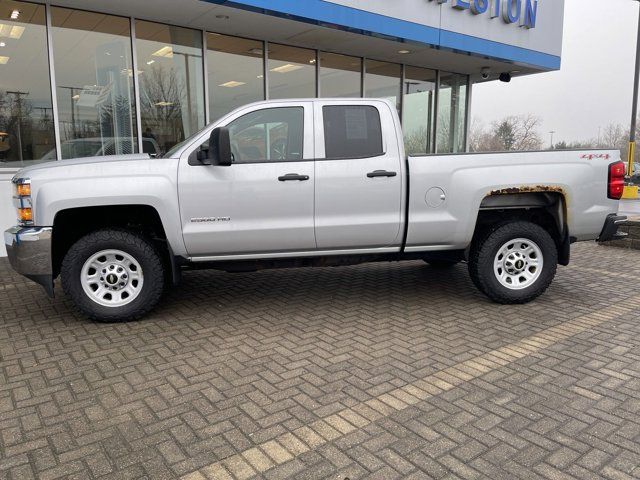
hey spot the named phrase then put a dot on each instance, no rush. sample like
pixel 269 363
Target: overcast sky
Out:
pixel 595 84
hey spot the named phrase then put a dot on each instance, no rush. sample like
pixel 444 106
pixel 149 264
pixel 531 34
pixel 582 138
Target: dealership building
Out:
pixel 105 77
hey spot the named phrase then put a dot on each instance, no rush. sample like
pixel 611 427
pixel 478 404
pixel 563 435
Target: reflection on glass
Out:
pixel 292 72
pixel 26 114
pixel 94 77
pixel 383 80
pixel 236 73
pixel 171 82
pixel 417 109
pixel 340 75
pixel 269 135
pixel 452 109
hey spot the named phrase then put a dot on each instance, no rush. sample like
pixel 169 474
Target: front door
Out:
pixel 359 181
pixel 263 203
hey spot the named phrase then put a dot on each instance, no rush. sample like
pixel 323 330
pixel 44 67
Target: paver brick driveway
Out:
pixel 376 371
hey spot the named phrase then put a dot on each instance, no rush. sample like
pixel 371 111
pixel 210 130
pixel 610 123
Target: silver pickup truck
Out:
pixel 304 183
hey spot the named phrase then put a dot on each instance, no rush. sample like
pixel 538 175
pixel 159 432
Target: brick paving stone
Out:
pixel 375 371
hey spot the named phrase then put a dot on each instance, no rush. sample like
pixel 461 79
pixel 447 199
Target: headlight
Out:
pixel 22 201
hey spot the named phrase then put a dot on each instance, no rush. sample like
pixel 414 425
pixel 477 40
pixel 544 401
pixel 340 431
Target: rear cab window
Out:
pixel 352 131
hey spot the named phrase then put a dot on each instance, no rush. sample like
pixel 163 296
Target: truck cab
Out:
pixel 307 178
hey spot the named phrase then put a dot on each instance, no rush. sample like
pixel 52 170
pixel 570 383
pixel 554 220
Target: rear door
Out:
pixel 359 181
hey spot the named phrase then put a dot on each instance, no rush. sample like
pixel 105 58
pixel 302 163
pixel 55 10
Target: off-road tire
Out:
pixel 133 244
pixel 483 254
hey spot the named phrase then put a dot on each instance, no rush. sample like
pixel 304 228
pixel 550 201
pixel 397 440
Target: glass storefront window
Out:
pixel 94 83
pixel 340 75
pixel 383 80
pixel 26 113
pixel 417 109
pixel 95 88
pixel 292 72
pixel 171 79
pixel 452 111
pixel 235 73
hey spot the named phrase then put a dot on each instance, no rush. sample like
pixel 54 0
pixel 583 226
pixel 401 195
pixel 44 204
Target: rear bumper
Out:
pixel 29 252
pixel 610 229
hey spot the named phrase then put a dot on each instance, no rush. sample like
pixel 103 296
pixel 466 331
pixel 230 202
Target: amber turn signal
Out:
pixel 24 189
pixel 25 215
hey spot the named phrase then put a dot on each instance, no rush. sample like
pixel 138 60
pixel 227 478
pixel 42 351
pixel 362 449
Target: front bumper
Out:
pixel 610 229
pixel 29 252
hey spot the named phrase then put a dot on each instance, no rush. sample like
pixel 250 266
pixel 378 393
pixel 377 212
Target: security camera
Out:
pixel 485 73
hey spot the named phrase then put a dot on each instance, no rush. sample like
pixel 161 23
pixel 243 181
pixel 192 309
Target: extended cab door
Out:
pixel 359 176
pixel 263 203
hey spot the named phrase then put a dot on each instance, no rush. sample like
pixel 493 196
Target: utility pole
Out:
pixel 632 192
pixel 19 123
pixel 72 94
pixel 551 133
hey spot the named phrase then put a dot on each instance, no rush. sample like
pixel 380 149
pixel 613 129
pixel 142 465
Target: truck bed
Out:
pixel 446 192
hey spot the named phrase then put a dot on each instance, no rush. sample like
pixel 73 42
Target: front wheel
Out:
pixel 514 263
pixel 113 275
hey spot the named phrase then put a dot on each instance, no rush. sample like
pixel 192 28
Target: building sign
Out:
pixel 521 32
pixel 522 12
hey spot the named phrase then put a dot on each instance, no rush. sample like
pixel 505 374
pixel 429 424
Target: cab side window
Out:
pixel 352 131
pixel 269 135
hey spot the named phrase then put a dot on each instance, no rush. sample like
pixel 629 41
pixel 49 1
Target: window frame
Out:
pixel 85 31
pixel 269 66
pixel 199 78
pixel 209 90
pixel 288 136
pixel 187 152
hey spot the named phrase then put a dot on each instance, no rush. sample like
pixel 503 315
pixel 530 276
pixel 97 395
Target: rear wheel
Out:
pixel 514 263
pixel 113 275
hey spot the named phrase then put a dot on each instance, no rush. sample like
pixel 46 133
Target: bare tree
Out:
pixel 161 103
pixel 613 136
pixel 516 132
pixel 481 140
pixel 416 142
pixel 526 134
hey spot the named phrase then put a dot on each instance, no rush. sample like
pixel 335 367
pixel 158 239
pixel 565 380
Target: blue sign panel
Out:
pixel 340 14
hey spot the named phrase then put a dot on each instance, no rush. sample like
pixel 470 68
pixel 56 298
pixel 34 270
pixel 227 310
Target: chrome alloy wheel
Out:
pixel 112 278
pixel 518 264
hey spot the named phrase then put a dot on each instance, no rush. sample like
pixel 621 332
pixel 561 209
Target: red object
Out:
pixel 616 180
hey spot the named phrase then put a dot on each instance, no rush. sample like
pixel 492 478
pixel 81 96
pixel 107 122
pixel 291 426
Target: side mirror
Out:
pixel 220 147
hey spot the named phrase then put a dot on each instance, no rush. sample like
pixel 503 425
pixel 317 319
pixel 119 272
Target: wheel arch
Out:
pixel 545 207
pixel 71 224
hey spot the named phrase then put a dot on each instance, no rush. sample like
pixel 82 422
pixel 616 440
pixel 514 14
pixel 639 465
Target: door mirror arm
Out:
pixel 203 156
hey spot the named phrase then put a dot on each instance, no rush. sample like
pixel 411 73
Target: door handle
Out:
pixel 289 177
pixel 381 173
